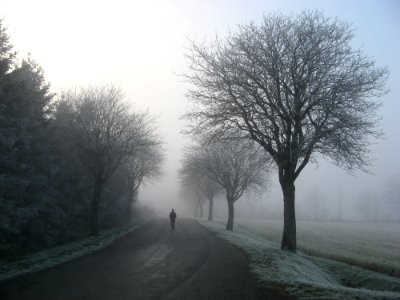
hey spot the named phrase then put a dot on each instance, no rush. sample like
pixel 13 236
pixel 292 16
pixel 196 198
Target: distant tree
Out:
pixel 196 176
pixel 366 205
pixel 315 205
pixel 392 194
pixel 106 132
pixel 143 165
pixel 190 192
pixel 339 212
pixel 294 85
pixel 237 166
pixel 210 189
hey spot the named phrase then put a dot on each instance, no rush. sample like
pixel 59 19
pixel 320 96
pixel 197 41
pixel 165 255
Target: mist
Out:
pixel 339 189
pixel 275 153
pixel 152 38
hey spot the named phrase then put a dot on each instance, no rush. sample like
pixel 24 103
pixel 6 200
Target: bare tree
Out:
pixel 190 173
pixel 237 166
pixel 144 164
pixel 209 189
pixel 315 205
pixel 106 131
pixel 392 195
pixel 191 192
pixel 296 87
pixel 366 205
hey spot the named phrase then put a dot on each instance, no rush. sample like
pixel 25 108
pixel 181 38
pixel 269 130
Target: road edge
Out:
pixel 64 253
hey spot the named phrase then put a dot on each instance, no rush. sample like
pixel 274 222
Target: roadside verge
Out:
pixel 61 254
pixel 307 277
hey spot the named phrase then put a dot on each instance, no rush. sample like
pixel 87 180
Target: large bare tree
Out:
pixel 107 132
pixel 293 84
pixel 237 166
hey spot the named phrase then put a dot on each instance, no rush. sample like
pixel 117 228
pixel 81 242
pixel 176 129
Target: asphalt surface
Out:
pixel 152 262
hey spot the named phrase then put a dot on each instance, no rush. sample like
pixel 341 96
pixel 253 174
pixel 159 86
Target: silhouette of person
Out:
pixel 172 217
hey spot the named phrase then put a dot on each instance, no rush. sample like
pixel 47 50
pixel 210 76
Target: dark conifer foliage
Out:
pixel 26 157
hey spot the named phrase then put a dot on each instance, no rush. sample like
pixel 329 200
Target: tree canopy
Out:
pixel 236 166
pixel 107 134
pixel 296 86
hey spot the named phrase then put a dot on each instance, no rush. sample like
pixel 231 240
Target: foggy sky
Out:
pixel 139 45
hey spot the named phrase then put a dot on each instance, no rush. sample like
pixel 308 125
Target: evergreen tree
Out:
pixel 26 160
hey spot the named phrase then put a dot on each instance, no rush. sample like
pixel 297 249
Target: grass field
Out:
pixel 375 246
pixel 308 277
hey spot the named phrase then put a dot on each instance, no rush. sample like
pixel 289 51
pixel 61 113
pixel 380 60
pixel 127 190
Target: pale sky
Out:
pixel 139 46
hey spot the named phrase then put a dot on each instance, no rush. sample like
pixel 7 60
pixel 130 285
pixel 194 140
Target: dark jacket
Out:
pixel 172 215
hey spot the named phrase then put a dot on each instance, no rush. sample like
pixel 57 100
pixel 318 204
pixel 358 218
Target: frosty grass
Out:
pixel 307 277
pixel 372 245
pixel 58 255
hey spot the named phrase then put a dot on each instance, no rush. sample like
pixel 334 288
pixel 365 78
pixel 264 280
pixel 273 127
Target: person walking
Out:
pixel 172 217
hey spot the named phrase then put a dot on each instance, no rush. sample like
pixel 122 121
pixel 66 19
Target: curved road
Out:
pixel 152 262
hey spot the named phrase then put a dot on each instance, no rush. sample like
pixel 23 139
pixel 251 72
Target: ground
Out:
pixel 152 262
pixel 371 245
pixel 308 277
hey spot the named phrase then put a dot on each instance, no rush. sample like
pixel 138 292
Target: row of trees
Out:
pixel 230 167
pixel 373 206
pixel 295 86
pixel 108 134
pixel 68 163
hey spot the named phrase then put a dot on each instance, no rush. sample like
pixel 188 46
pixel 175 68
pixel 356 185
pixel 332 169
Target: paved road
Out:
pixel 152 262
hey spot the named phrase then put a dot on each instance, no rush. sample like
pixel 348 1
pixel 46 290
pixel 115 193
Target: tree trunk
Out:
pixel 210 208
pixel 339 217
pixel 289 217
pixel 94 205
pixel 229 225
pixel 195 211
pixel 201 209
pixel 132 198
